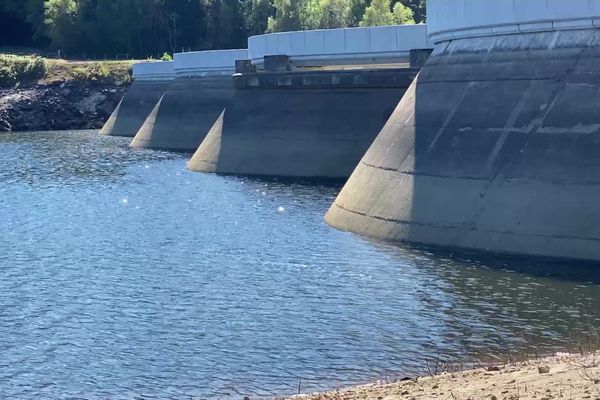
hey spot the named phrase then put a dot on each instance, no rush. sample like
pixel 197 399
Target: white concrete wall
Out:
pixel 329 46
pixel 452 19
pixel 205 63
pixel 153 71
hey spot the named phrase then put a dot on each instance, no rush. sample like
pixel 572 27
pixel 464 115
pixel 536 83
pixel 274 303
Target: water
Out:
pixel 122 275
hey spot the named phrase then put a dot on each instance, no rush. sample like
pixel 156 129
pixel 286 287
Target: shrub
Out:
pixel 7 76
pixel 166 57
pixel 102 72
pixel 19 69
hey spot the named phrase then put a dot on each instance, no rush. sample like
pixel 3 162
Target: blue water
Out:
pixel 123 275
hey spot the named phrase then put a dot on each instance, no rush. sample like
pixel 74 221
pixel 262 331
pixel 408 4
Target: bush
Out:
pixel 166 57
pixel 7 76
pixel 102 72
pixel 20 69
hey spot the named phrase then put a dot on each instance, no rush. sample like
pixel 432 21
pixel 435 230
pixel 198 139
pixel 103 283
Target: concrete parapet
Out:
pixel 456 19
pixel 154 71
pixel 341 46
pixel 310 124
pixel 494 147
pixel 207 63
pixel 151 79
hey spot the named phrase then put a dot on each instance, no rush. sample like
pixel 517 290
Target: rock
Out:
pixel 106 108
pixel 58 105
pixel 544 370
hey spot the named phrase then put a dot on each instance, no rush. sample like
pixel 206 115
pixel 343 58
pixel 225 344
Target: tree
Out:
pixel 418 7
pixel 231 25
pixel 357 10
pixel 288 16
pixel 61 23
pixel 380 13
pixel 333 14
pixel 257 16
pixel 402 15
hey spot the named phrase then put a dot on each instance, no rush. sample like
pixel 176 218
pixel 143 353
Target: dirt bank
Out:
pixel 558 377
pixel 58 105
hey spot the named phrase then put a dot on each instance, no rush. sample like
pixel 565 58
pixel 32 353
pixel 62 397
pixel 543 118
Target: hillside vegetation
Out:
pixel 142 28
pixel 21 70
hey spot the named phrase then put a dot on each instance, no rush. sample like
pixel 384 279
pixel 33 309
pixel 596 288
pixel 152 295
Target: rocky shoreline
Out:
pixel 58 106
pixel 563 376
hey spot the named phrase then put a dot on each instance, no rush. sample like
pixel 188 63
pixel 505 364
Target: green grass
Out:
pixel 102 72
pixel 21 69
pixel 16 69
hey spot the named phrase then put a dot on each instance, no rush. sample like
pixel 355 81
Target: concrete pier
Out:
pixel 495 145
pixel 151 79
pixel 301 124
pixel 314 106
pixel 186 111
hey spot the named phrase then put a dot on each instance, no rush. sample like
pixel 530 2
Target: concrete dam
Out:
pixel 495 145
pixel 150 80
pixel 297 118
pixel 301 104
pixel 183 115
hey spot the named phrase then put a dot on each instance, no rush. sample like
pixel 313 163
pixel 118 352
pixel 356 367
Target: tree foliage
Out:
pixel 142 28
pixel 380 13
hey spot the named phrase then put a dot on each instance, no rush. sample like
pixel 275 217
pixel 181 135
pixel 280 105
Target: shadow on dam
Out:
pixel 493 148
pixel 184 114
pixel 134 107
pixel 315 125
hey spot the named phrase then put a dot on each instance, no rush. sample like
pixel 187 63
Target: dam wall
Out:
pixel 150 80
pixel 301 124
pixel 370 45
pixel 495 145
pixel 184 114
pixel 307 105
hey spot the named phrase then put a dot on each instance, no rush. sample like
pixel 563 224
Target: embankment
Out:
pixel 58 106
pixel 43 94
pixel 558 377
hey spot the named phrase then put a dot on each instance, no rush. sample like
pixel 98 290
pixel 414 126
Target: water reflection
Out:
pixel 123 275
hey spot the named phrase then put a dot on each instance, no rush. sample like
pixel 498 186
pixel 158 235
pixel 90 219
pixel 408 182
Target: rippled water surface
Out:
pixel 122 275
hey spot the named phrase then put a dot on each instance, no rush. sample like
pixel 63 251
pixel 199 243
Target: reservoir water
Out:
pixel 124 276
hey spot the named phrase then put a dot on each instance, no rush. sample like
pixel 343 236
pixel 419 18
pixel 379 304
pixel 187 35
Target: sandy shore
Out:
pixel 562 376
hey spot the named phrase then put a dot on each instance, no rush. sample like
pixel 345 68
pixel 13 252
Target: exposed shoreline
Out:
pixel 562 376
pixel 58 106
pixel 45 95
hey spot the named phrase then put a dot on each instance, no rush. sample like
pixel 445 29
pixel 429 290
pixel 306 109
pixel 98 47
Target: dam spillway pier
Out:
pixel 184 114
pixel 495 145
pixel 315 124
pixel 150 80
pixel 316 103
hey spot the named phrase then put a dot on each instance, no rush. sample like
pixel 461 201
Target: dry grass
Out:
pixel 88 71
pixel 23 69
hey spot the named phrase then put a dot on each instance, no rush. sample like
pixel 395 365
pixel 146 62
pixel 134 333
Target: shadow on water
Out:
pixel 539 267
pixel 535 306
